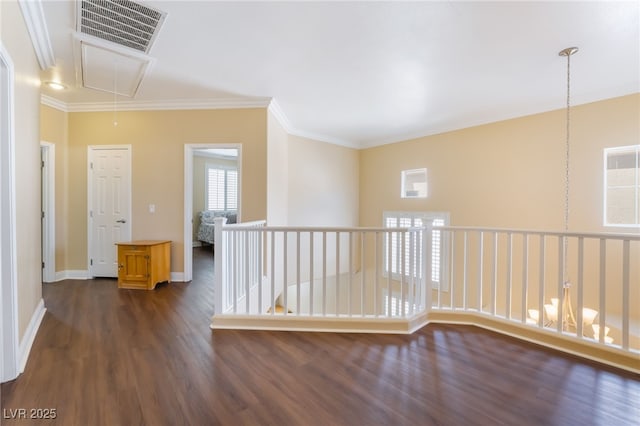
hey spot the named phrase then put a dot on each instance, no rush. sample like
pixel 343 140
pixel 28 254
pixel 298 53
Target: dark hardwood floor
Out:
pixel 105 356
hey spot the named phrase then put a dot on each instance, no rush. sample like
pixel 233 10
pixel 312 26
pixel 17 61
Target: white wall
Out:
pixel 323 192
pixel 277 172
pixel 323 184
pixel 310 183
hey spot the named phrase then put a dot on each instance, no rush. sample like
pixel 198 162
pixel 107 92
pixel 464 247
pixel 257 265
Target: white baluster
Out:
pixel 324 273
pixel 480 270
pixel 311 280
pixel 625 294
pixel 509 274
pixel 298 272
pixel 525 276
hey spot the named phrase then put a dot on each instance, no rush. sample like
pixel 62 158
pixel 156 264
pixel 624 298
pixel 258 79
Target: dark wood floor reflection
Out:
pixel 109 357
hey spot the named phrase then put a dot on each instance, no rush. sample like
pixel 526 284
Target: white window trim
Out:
pixel 443 282
pixel 607 152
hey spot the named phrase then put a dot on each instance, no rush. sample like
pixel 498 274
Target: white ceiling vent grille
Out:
pixel 123 22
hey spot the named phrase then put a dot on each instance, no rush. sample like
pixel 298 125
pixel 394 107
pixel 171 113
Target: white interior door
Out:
pixel 48 212
pixel 109 207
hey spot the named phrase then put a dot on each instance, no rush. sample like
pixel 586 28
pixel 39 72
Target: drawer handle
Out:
pixel 121 221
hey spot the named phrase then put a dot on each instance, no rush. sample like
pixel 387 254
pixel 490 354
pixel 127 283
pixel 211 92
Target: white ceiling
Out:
pixel 366 73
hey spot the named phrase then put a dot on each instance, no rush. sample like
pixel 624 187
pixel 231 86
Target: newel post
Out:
pixel 219 267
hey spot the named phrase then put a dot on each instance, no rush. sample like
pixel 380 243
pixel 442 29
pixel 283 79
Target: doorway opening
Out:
pixel 213 182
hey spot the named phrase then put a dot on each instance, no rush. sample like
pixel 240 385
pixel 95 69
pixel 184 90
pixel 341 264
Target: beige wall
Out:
pixel 505 174
pixel 157 139
pixel 277 173
pixel 599 125
pixel 510 174
pixel 323 184
pixel 310 183
pixel 15 39
pixel 322 191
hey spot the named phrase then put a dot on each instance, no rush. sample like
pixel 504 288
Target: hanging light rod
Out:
pixel 568 51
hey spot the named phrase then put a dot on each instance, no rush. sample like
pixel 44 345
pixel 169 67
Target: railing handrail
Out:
pixel 248 226
pixel 607 235
pixel 245 225
pixel 240 227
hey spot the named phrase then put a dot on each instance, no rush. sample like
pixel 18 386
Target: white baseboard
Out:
pixel 177 277
pixel 72 275
pixel 84 275
pixel 30 335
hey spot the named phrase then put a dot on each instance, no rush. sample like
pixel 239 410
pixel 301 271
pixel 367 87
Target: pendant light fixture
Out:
pixel 551 310
pixel 568 320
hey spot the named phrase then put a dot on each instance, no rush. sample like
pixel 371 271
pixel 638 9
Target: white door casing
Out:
pixel 189 150
pixel 109 206
pixel 9 345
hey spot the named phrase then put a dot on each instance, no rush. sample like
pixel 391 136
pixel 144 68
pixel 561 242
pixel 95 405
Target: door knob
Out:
pixel 121 221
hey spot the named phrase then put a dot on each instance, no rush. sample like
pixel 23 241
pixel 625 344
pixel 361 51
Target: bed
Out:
pixel 206 229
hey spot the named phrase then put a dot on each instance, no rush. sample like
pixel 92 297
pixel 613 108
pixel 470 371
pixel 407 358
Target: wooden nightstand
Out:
pixel 142 264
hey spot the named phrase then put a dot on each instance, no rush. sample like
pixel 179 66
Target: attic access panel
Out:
pixel 122 22
pixel 113 72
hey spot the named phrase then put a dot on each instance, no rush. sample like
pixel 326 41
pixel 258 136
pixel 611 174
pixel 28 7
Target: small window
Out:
pixel 397 307
pixel 622 186
pixel 221 188
pixel 414 183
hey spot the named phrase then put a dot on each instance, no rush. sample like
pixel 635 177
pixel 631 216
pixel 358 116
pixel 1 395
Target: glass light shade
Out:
pixel 596 330
pixel 588 315
pixel 551 311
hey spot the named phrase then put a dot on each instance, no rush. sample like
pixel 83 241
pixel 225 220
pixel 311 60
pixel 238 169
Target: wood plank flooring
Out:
pixel 109 357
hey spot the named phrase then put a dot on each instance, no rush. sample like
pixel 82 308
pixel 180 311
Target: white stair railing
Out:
pixel 319 272
pixel 582 287
pixel 238 255
pixel 591 294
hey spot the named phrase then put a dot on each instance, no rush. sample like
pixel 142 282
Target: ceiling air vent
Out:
pixel 123 22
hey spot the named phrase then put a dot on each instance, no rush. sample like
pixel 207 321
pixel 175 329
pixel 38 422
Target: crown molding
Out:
pixel 53 103
pixel 37 27
pixel 274 108
pixel 324 138
pixel 279 115
pixel 228 103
